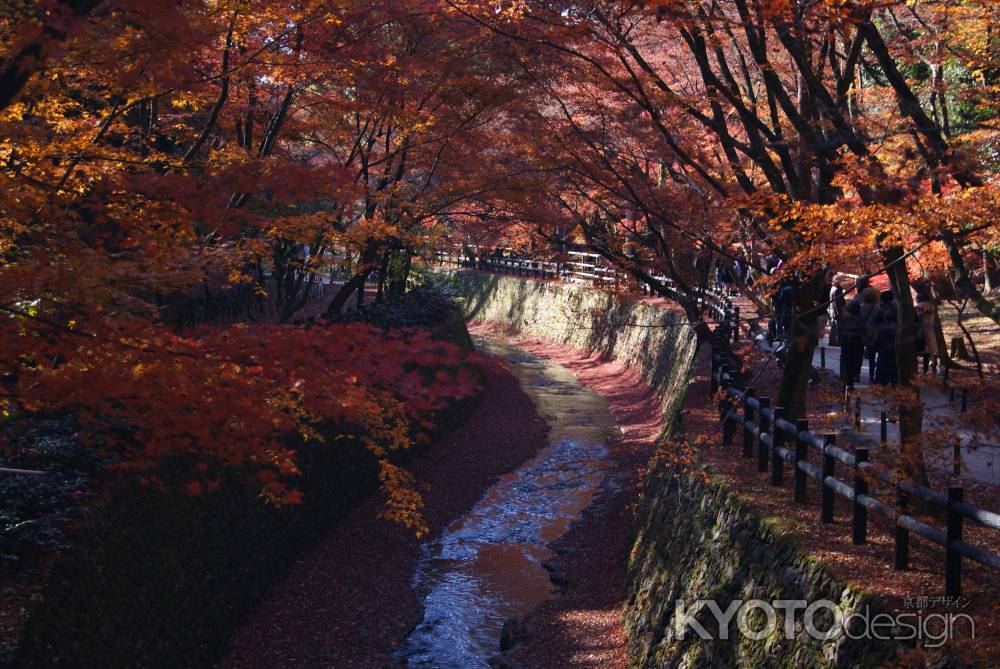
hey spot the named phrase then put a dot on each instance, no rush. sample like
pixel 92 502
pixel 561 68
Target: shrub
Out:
pixel 430 299
pixel 160 578
pixel 34 510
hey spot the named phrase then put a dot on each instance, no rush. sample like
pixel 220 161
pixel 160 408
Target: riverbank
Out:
pixel 350 604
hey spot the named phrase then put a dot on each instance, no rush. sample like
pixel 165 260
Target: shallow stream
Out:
pixel 487 565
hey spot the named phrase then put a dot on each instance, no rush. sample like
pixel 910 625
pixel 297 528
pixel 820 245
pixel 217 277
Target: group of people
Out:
pixel 724 279
pixel 866 326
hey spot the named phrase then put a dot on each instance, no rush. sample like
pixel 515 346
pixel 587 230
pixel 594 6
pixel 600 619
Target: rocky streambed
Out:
pixel 489 567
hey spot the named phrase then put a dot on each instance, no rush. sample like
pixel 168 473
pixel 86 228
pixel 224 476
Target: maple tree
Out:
pixel 161 157
pixel 687 135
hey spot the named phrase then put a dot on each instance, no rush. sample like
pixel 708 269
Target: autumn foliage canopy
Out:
pixel 162 158
pixel 157 158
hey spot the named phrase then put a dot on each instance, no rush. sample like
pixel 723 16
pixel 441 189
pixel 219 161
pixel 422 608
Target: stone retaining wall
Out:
pixel 654 341
pixel 696 541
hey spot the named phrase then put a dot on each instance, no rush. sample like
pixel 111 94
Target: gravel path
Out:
pixel 583 627
pixel 349 603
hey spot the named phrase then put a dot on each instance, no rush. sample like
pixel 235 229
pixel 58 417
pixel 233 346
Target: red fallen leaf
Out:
pixel 193 488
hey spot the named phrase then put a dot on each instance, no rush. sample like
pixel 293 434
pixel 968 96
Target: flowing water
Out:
pixel 486 566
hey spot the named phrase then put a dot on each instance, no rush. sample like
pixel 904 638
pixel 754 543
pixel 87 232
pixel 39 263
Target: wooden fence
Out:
pixel 775 442
pixel 588 269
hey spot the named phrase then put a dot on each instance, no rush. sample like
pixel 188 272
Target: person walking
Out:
pixel 836 310
pixel 886 370
pixel 784 308
pixel 868 310
pixel 723 278
pixel 852 328
pixel 860 286
pixel 772 263
pixel 926 335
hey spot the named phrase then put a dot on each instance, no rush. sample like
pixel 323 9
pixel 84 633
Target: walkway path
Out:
pixel 981 463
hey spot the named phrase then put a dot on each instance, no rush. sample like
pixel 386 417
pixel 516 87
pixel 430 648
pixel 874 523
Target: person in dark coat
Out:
pixel 869 316
pixel 852 344
pixel 836 311
pixel 771 263
pixel 859 289
pixel 723 278
pixel 887 304
pixel 784 308
pixel 886 372
pixel 702 262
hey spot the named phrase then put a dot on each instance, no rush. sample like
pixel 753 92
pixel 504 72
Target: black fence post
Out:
pixel 748 418
pixel 857 413
pixel 801 453
pixel 956 459
pixel 965 400
pixel 777 440
pixel 714 381
pixel 829 470
pixel 860 520
pixel 901 541
pixel 726 408
pixel 764 425
pixel 884 429
pixel 822 357
pixel 736 325
pixel 953 559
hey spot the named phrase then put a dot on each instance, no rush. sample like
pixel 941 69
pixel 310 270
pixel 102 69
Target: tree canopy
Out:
pixel 159 156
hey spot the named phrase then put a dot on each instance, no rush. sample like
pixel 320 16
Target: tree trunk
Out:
pixel 964 282
pixel 990 271
pixel 360 304
pixel 32 54
pixel 911 410
pixel 803 338
pixel 397 273
pixel 356 282
pixel 382 275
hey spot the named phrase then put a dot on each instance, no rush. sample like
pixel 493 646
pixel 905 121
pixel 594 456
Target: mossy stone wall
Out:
pixel 656 342
pixel 695 540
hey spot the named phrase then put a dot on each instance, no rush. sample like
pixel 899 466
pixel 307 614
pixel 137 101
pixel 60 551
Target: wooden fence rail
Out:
pixel 588 269
pixel 776 442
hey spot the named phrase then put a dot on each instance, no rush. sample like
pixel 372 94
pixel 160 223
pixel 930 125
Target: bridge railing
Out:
pixel 775 443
